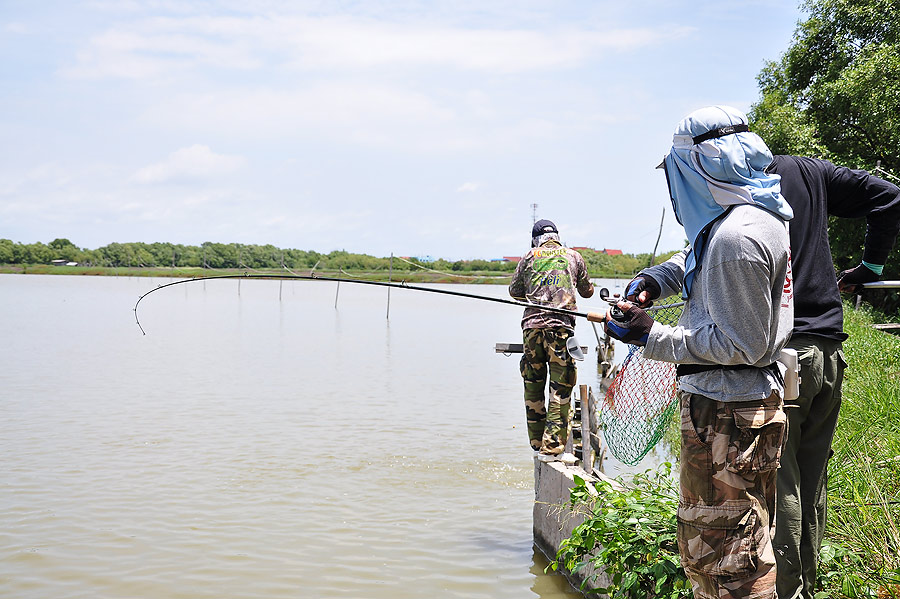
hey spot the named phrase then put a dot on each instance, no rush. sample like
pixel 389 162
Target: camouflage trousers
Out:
pixel 730 453
pixel 545 352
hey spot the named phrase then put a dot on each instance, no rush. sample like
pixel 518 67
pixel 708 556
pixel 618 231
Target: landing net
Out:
pixel 640 401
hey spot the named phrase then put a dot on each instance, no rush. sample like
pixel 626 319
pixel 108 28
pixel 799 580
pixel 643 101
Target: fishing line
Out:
pixel 593 316
pixel 449 274
pixel 352 276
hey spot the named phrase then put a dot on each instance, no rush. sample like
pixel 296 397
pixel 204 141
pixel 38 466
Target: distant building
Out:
pixel 515 259
pixel 612 252
pixel 579 248
pixel 63 263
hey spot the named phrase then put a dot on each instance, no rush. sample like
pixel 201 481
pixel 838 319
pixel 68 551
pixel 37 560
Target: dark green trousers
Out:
pixel 802 479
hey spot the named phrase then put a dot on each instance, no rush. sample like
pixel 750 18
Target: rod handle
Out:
pixel 596 316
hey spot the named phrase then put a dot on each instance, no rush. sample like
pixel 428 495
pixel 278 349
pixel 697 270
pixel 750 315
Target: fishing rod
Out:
pixel 591 316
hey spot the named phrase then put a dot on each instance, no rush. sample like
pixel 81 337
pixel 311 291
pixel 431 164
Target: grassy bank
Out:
pixel 864 472
pixel 409 276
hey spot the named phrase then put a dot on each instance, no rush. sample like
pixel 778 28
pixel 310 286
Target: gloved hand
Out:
pixel 642 290
pixel 851 280
pixel 626 322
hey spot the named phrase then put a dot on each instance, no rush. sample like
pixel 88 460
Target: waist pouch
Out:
pixel 788 358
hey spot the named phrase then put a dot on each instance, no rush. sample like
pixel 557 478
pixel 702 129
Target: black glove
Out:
pixel 629 324
pixel 851 280
pixel 642 283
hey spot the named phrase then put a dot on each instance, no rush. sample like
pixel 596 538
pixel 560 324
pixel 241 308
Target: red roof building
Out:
pixel 612 252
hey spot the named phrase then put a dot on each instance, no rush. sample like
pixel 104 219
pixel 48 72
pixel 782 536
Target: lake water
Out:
pixel 251 445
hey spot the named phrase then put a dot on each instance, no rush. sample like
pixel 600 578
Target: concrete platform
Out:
pixel 554 521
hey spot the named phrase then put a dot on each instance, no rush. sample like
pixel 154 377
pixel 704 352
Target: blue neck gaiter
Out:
pixel 716 163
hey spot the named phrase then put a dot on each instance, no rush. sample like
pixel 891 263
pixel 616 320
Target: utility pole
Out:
pixel 534 208
pixel 661 220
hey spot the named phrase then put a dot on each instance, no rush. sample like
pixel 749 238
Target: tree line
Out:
pixel 269 257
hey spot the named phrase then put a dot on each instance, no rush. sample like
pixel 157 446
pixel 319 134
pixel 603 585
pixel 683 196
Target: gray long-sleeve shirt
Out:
pixel 740 310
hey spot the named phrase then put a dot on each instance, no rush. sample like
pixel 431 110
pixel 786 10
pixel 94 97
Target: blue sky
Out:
pixel 406 127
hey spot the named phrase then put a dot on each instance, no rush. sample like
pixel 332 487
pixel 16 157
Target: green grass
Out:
pixel 864 472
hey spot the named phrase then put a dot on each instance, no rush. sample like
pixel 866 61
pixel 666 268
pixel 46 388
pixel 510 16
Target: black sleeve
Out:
pixel 856 193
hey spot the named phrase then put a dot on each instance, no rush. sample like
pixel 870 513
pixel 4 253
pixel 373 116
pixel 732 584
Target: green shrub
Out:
pixel 631 534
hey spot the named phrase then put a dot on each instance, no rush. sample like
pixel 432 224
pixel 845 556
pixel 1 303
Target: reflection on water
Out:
pixel 268 440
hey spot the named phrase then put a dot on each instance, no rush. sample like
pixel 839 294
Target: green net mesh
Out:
pixel 640 401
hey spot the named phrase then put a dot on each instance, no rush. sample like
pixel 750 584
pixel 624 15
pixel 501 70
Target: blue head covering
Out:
pixel 715 163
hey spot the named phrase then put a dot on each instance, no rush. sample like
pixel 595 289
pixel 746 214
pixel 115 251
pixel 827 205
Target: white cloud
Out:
pixel 194 162
pixel 16 27
pixel 344 43
pixel 358 113
pixel 42 176
pixel 468 187
pixel 364 114
pixel 158 47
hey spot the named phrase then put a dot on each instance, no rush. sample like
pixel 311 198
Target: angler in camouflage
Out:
pixel 548 275
pixel 738 314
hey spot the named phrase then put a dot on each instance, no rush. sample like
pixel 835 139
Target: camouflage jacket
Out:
pixel 549 275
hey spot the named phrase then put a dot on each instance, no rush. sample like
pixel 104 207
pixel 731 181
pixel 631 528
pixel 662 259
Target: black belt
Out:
pixel 683 369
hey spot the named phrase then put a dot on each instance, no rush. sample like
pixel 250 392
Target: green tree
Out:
pixel 63 249
pixel 836 90
pixel 7 252
pixel 835 94
pixel 36 253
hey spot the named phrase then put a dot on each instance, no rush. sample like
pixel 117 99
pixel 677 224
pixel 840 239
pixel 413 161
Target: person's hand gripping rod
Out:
pixel 624 320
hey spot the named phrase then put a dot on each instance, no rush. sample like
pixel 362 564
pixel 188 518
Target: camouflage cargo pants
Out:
pixel 730 452
pixel 545 352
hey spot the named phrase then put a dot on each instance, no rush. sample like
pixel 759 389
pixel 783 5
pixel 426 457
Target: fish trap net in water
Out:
pixel 640 401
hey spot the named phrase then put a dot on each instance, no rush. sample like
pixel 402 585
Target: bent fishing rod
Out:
pixel 591 316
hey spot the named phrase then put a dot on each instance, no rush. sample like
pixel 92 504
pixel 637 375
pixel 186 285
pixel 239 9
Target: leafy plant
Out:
pixel 630 534
pixel 840 574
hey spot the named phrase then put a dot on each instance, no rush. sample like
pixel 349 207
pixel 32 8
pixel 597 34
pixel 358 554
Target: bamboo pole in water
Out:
pixel 390 278
pixel 587 458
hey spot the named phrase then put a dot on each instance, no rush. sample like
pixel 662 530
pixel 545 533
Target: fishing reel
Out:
pixel 615 312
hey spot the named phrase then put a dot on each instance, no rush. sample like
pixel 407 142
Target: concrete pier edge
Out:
pixel 555 521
